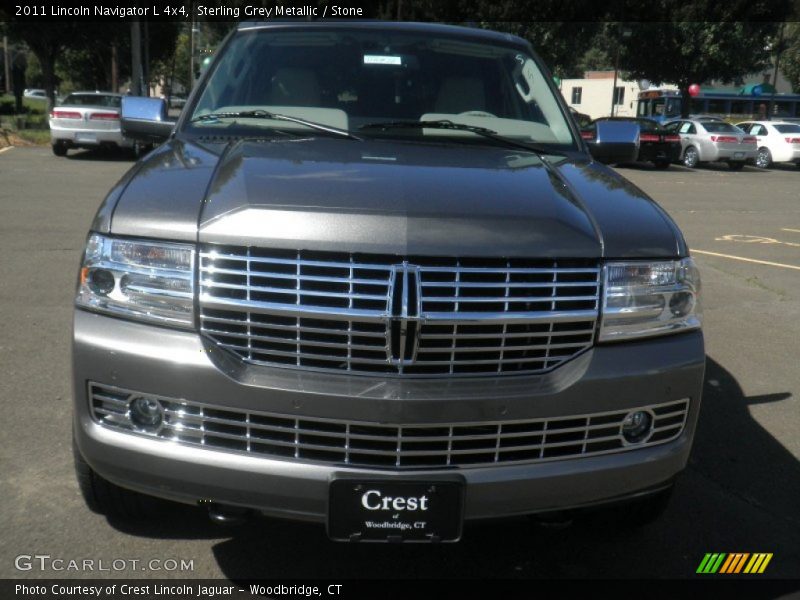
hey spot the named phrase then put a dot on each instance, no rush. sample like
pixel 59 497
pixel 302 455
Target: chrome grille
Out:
pixel 417 446
pixel 369 313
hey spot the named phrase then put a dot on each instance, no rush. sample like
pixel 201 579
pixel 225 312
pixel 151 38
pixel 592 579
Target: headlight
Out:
pixel 649 298
pixel 152 281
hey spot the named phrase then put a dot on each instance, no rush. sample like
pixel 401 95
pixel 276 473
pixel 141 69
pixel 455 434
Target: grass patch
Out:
pixel 40 137
pixel 32 106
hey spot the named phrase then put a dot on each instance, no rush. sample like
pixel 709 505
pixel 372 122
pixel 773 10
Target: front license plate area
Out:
pixel 390 511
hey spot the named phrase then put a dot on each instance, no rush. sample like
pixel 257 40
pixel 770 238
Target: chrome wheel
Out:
pixel 764 158
pixel 690 158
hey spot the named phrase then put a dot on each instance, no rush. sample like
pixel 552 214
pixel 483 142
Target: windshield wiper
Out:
pixel 447 124
pixel 263 114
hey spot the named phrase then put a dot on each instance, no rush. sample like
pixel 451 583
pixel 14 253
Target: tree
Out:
pixel 790 59
pixel 47 41
pixel 683 43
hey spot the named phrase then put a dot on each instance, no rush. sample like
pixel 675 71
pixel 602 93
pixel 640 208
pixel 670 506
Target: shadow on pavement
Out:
pixel 739 494
pixel 100 154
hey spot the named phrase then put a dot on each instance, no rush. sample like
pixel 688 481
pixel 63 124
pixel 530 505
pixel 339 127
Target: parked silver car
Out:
pixel 713 140
pixel 87 120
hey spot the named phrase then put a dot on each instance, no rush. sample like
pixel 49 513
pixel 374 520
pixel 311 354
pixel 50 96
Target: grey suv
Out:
pixel 374 279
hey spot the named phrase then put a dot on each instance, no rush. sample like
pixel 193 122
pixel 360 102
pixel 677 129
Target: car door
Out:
pixel 760 132
pixel 687 131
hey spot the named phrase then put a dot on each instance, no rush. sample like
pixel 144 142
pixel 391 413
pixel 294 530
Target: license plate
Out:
pixel 85 137
pixel 390 511
pixel 738 155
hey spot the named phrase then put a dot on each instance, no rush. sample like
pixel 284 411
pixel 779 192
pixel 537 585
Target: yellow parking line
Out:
pixel 751 260
pixel 5 149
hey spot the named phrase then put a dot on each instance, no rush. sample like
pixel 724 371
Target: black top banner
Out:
pixel 469 11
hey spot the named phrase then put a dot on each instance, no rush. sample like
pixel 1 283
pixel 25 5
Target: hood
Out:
pixel 401 198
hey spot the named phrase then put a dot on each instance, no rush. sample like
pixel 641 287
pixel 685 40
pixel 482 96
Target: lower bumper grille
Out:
pixel 364 444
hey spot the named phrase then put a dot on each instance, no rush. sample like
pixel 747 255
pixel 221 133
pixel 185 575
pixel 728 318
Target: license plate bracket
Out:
pixel 382 510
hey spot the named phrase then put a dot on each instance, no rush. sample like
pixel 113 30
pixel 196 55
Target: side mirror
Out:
pixel 145 119
pixel 613 142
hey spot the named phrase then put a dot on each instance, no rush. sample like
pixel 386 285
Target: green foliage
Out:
pixel 790 59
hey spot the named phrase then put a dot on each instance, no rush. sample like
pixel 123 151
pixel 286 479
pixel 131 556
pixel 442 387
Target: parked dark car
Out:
pixel 374 279
pixel 656 144
pixel 580 118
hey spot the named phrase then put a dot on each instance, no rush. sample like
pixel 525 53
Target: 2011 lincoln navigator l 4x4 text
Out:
pixel 374 279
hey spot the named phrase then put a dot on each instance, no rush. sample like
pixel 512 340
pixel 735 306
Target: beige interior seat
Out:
pixel 460 94
pixel 294 87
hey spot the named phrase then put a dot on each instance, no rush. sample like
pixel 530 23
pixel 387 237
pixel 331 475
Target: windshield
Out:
pixel 719 127
pixel 93 100
pixel 350 78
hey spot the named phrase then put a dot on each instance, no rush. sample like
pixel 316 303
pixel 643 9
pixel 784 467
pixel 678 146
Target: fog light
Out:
pixel 681 304
pixel 636 426
pixel 146 413
pixel 101 281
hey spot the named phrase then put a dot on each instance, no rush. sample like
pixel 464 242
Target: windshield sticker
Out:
pixel 379 59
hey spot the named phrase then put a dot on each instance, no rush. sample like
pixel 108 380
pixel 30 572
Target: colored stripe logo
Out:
pixel 734 563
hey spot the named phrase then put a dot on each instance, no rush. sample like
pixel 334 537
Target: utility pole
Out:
pixel 778 51
pixel 136 58
pixel 191 54
pixel 114 69
pixel 146 64
pixel 7 63
pixel 626 33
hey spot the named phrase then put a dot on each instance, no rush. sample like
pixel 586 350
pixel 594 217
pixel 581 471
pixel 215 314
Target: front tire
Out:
pixel 691 158
pixel 106 498
pixel 59 148
pixel 764 158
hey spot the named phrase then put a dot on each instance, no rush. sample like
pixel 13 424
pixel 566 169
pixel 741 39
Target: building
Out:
pixel 592 95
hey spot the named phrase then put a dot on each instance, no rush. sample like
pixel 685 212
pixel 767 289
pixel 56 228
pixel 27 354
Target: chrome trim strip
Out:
pixel 355 443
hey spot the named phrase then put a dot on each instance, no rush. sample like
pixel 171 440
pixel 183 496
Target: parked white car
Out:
pixel 35 93
pixel 713 140
pixel 778 141
pixel 87 120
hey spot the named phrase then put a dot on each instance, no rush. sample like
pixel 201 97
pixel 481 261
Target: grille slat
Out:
pixel 353 312
pixel 407 446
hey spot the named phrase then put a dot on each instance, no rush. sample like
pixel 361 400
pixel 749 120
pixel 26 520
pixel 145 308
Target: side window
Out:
pixel 672 127
pixel 745 127
pixel 685 127
pixel 758 130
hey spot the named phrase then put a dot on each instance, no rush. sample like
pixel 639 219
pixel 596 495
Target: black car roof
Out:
pixel 408 27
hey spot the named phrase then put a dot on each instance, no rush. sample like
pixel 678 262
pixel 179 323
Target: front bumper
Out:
pixel 716 153
pixel 183 365
pixel 88 138
pixel 660 151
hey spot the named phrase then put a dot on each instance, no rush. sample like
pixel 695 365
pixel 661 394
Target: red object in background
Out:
pixel 104 116
pixel 694 89
pixel 64 114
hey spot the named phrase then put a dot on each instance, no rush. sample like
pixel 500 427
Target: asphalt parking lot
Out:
pixel 741 492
